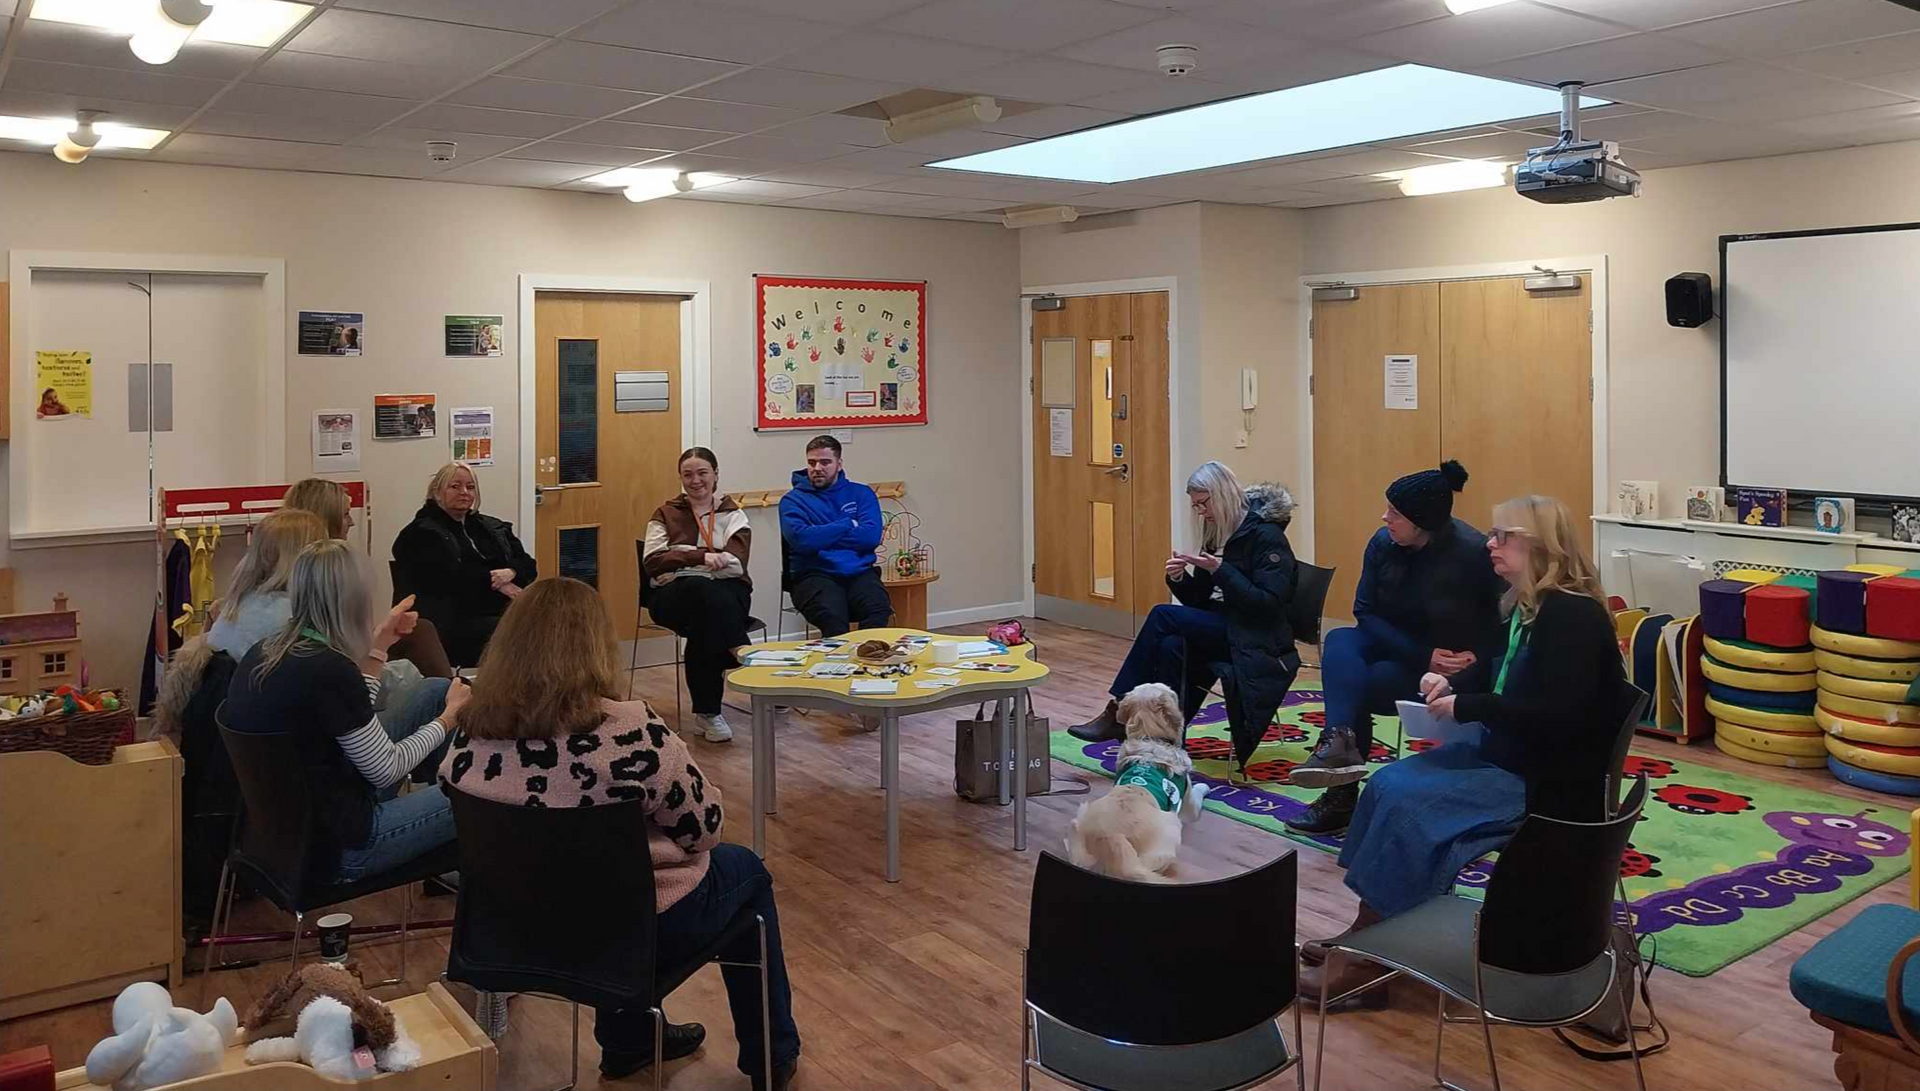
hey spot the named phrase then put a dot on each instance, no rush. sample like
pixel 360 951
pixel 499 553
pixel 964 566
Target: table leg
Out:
pixel 1020 774
pixel 773 761
pixel 1003 742
pixel 762 754
pixel 890 769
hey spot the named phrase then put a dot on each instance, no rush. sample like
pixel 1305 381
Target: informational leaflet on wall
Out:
pixel 1060 433
pixel 1403 382
pixel 332 333
pixel 336 440
pixel 473 334
pixel 403 416
pixel 473 435
pixel 836 379
pixel 62 385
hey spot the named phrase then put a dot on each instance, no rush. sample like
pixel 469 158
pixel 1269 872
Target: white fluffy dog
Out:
pixel 1133 832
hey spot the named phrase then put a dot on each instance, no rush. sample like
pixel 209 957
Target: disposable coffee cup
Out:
pixel 335 930
pixel 945 653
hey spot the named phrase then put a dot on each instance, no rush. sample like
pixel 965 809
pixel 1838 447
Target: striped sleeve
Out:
pixel 381 760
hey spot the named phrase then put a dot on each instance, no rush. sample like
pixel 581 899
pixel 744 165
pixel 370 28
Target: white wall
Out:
pixel 407 252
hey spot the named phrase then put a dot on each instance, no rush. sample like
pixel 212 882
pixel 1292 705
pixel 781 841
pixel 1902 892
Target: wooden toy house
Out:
pixel 39 651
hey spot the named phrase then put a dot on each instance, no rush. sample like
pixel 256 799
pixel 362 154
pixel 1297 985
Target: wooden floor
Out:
pixel 915 986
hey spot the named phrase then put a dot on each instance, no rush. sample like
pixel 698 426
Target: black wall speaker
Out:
pixel 1689 300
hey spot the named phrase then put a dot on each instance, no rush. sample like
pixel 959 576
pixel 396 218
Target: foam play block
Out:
pixel 1843 601
pixel 1775 742
pixel 1876 569
pixel 1859 729
pixel 1864 688
pixel 1749 656
pixel 1764 719
pixel 1893 608
pixel 1899 760
pixel 1871 647
pixel 1766 757
pixel 1859 666
pixel 1884 711
pixel 1643 651
pixel 1753 575
pixel 1723 609
pixel 1809 584
pixel 1802 701
pixel 1890 783
pixel 1778 617
pixel 1765 681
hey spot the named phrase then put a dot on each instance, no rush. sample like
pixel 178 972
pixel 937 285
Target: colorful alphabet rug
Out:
pixel 1720 866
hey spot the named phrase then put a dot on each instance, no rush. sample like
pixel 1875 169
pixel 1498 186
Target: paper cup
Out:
pixel 945 653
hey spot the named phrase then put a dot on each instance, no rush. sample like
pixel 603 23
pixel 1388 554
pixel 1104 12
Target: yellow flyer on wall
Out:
pixel 63 384
pixel 840 352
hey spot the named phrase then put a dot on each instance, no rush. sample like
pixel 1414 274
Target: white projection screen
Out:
pixel 1820 361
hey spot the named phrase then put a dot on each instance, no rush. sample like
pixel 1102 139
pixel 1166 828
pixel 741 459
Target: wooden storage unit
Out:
pixel 455 1055
pixel 90 857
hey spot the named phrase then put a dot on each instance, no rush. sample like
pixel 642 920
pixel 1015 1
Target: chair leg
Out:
pixel 1633 1038
pixel 633 661
pixel 1320 1045
pixel 213 936
pixel 1486 1031
pixel 679 658
pixel 1299 1039
pixel 573 1054
pixel 1439 1033
pixel 406 918
pixel 659 1048
pixel 299 926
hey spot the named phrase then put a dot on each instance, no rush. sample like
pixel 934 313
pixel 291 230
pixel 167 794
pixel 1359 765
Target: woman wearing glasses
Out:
pixel 1546 700
pixel 1235 596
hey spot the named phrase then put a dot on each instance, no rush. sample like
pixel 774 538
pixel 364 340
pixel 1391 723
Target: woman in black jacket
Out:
pixel 1235 596
pixel 464 567
pixel 1548 701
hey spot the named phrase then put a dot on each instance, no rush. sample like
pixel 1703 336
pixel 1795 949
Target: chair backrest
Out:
pixel 1310 586
pixel 275 837
pixel 1630 704
pixel 1549 906
pixel 1101 956
pixel 786 565
pixel 402 580
pixel 554 900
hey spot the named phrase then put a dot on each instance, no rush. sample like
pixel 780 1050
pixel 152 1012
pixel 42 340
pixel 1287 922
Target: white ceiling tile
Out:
pixel 1504 146
pixel 544 17
pixel 1649 14
pixel 265 127
pixel 1326 20
pixel 1019 25
pixel 1734 143
pixel 561 151
pixel 1052 79
pixel 953 204
pixel 709 30
pixel 902 58
pixel 828 176
pixel 289 68
pixel 1161 95
pixel 1052 121
pixel 520 172
pixel 873 198
pixel 378 162
pixel 865 132
pixel 1804 25
pixel 834 11
pixel 1104 200
pixel 1377 161
pixel 67 43
pixel 1490 34
pixel 1033 189
pixel 1636 128
pixel 765 190
pixel 1613 59
pixel 1297 69
pixel 1712 83
pixel 239 151
pixel 478 119
pixel 365 110
pixel 113 83
pixel 780 151
pixel 369 36
pixel 543 97
pixel 1221 44
pixel 973 217
pixel 1905 84
pixel 693 162
pixel 471 145
pixel 1860 60
pixel 883 160
pixel 942 183
pixel 1831 99
pixel 22 103
pixel 621 134
pixel 805 91
pixel 1277 174
pixel 1854 122
pixel 698 113
pixel 613 66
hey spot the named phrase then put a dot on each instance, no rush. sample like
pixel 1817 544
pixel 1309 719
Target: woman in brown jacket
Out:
pixel 695 565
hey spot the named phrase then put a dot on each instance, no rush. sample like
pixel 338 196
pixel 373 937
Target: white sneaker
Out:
pixel 715 727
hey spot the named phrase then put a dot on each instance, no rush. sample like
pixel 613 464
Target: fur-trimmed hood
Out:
pixel 1271 501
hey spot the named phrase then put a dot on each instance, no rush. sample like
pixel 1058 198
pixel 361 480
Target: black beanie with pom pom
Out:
pixel 1426 497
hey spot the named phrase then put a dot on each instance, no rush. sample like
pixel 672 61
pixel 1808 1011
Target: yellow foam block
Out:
pixel 1752 575
pixel 1854 666
pixel 1891 692
pixel 1774 742
pixel 1765 681
pixel 1862 731
pixel 1884 711
pixel 1764 719
pixel 1759 659
pixel 1877 569
pixel 1767 757
pixel 1903 761
pixel 1871 646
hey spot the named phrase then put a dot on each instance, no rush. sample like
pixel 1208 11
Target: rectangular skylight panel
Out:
pixel 1361 109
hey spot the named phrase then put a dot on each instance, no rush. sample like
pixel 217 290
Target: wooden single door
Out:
pixel 1100 477
pixel 600 468
pixel 1359 444
pixel 1517 395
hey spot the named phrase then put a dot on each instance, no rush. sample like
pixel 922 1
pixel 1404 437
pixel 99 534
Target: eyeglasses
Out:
pixel 1198 500
pixel 1499 535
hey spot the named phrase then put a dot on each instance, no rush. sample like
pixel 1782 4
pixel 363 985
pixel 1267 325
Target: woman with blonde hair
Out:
pixel 1234 599
pixel 327 499
pixel 1546 703
pixel 464 566
pixel 547 691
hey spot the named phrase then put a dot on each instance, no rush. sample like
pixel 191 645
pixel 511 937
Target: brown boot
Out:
pixel 1314 952
pixel 1101 728
pixel 1342 974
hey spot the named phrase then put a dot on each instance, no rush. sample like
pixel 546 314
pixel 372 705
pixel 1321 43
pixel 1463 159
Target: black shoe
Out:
pixel 680 1039
pixel 444 885
pixel 1331 813
pixel 1101 728
pixel 1336 759
pixel 782 1077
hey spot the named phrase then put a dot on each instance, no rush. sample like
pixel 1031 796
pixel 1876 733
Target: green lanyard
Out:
pixel 1516 636
pixel 316 635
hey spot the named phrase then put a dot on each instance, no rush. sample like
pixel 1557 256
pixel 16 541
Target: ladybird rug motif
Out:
pixel 1720 866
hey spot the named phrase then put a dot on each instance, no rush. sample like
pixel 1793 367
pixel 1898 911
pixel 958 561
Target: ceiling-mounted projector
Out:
pixel 1573 170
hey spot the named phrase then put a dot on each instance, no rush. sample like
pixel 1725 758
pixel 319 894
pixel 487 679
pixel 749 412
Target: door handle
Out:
pixel 540 491
pixel 1122 414
pixel 1119 471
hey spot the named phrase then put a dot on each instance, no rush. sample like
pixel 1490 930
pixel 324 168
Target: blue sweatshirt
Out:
pixel 833 530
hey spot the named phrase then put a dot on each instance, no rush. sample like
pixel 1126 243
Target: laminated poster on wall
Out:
pixel 474 334
pixel 403 416
pixel 63 385
pixel 336 440
pixel 473 435
pixel 1060 433
pixel 840 352
pixel 332 333
pixel 1402 383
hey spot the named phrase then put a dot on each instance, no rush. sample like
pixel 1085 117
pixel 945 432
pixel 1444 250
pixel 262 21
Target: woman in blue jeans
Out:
pixel 1235 598
pixel 316 679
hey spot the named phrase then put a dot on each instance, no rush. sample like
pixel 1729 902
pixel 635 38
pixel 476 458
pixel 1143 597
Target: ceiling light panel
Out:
pixel 47 131
pixel 235 22
pixel 1386 104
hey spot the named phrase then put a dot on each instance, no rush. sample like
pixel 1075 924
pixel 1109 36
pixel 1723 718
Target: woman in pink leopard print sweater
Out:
pixel 543 730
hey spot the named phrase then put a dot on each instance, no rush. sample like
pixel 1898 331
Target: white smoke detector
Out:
pixel 1177 60
pixel 442 151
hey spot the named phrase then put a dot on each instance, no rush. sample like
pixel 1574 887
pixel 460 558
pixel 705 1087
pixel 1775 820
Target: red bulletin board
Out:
pixel 840 353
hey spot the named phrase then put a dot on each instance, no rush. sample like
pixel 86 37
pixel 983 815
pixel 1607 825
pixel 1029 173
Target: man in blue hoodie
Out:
pixel 832 528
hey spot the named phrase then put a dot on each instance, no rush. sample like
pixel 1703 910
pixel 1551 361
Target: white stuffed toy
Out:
pixel 155 1043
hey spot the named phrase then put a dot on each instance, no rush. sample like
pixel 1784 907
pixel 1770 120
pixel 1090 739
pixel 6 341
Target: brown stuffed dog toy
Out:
pixel 275 1014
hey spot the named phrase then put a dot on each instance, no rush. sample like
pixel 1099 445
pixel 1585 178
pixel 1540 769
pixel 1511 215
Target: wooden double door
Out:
pixel 1101 480
pixel 1500 379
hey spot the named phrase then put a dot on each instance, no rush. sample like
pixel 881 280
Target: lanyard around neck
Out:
pixel 706 529
pixel 1516 636
pixel 315 635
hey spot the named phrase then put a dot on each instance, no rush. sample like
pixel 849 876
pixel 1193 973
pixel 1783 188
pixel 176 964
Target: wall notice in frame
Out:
pixel 840 352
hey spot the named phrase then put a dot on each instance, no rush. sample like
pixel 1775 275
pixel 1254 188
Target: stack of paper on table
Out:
pixel 972 649
pixel 873 687
pixel 768 656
